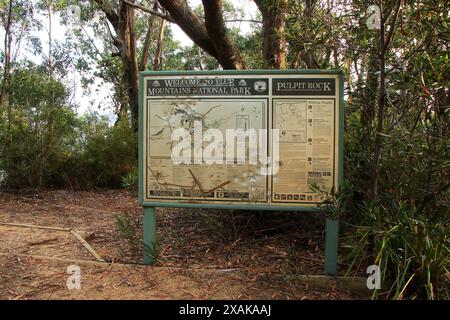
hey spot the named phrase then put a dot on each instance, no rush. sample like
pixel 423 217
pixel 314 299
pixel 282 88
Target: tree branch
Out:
pixel 150 11
pixel 112 16
pixel 392 26
pixel 242 20
pixel 227 54
pixel 190 23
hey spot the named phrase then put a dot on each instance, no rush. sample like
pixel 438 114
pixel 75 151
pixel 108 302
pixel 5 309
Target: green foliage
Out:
pixel 153 251
pixel 411 247
pixel 405 228
pixel 36 135
pixel 127 226
pixel 44 143
pixel 108 152
pixel 333 202
pixel 130 181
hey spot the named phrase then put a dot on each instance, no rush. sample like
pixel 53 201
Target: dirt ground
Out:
pixel 203 254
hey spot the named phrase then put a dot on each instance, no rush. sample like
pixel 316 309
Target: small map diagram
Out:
pixel 165 117
pixel 291 120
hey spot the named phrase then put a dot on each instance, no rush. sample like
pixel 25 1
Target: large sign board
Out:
pixel 250 139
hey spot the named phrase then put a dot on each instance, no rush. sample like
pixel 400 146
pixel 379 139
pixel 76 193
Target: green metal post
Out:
pixel 149 235
pixel 331 246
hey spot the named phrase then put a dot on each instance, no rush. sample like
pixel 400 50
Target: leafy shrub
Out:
pixel 127 227
pixel 107 153
pixel 44 143
pixel 411 247
pixel 37 135
pixel 129 181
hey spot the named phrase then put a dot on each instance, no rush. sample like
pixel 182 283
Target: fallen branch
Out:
pixel 33 226
pixel 110 265
pixel 34 291
pixel 87 246
pixel 43 241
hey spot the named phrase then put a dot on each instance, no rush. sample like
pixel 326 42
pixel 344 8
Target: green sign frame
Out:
pixel 332 226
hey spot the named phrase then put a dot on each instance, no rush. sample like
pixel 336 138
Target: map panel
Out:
pixel 225 181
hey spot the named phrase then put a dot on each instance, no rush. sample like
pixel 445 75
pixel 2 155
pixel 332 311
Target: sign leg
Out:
pixel 149 235
pixel 331 246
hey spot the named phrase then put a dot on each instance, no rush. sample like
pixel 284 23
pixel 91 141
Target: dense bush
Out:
pixel 411 247
pixel 107 153
pixel 405 229
pixel 44 143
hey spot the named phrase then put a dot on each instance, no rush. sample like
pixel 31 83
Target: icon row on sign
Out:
pixel 292 197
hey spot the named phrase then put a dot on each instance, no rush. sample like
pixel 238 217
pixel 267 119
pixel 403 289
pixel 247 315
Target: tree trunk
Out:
pixel 148 40
pixel 127 35
pixel 124 25
pixel 5 82
pixel 384 45
pixel 309 59
pixel 380 119
pixel 274 20
pixel 50 40
pixel 370 92
pixel 7 64
pixel 307 54
pixel 159 44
